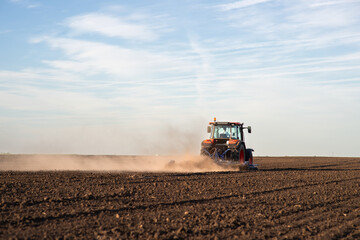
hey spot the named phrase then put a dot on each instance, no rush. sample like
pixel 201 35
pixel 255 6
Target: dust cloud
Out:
pixel 185 163
pixel 160 148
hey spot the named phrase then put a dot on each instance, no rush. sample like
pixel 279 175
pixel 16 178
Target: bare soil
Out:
pixel 287 198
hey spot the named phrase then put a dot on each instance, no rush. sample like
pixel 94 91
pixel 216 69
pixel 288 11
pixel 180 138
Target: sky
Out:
pixel 146 77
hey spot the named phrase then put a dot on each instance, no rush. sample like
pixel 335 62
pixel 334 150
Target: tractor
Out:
pixel 226 145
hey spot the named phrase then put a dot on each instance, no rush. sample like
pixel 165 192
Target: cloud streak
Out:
pixel 110 26
pixel 241 4
pixel 329 3
pixel 90 58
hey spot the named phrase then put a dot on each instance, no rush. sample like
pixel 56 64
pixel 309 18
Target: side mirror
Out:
pixel 209 129
pixel 249 129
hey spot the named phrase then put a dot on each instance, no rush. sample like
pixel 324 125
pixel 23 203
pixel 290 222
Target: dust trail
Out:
pixel 185 163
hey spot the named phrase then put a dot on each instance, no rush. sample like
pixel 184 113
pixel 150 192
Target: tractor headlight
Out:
pixel 227 142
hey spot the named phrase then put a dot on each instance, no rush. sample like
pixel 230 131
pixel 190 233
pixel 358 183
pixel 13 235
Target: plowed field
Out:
pixel 287 198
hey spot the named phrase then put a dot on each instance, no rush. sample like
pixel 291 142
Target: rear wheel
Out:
pixel 249 156
pixel 241 154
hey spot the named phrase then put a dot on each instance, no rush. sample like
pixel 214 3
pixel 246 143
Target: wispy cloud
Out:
pixel 240 4
pixel 284 22
pixel 89 57
pixel 328 3
pixel 110 26
pixel 47 100
pixel 26 3
pixel 5 31
pixel 328 16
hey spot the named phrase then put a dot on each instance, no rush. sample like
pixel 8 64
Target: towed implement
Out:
pixel 226 145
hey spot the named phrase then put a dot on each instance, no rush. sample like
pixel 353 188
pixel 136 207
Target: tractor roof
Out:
pixel 225 123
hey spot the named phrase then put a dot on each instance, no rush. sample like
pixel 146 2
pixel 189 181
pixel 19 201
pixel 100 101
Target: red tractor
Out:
pixel 226 144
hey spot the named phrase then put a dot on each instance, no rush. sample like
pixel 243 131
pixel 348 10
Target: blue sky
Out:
pixel 145 77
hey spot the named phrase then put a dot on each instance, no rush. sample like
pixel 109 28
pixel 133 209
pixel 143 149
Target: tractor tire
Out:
pixel 249 156
pixel 241 154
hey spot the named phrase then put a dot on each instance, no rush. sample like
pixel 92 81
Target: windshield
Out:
pixel 225 131
pixel 222 131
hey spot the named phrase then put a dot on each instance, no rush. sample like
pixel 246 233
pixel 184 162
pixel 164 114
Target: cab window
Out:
pixel 234 132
